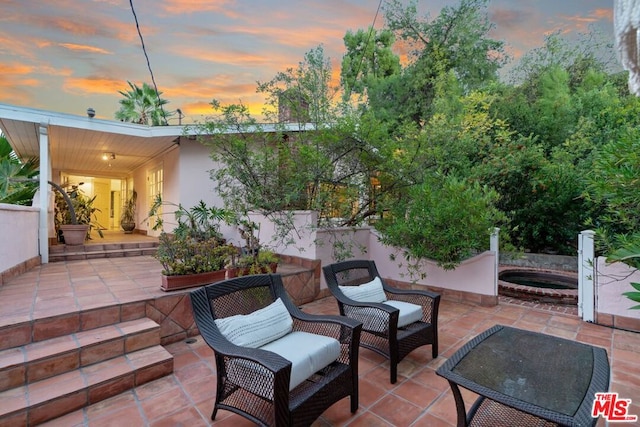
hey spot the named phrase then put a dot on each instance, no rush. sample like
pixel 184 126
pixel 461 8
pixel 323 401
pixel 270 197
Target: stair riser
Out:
pixel 130 371
pixel 60 253
pixel 46 366
pixel 23 333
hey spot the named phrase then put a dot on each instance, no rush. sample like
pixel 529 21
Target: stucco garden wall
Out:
pixel 19 232
pixel 613 308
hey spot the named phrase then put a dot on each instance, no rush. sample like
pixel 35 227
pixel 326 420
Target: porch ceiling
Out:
pixel 77 143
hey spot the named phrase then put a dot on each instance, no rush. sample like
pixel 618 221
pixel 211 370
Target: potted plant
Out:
pixel 128 216
pixel 75 216
pixel 194 253
pixel 254 258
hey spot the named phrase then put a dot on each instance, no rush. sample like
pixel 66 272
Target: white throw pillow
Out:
pixel 258 328
pixel 367 292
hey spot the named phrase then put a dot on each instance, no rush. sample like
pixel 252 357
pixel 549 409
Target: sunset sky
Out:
pixel 67 55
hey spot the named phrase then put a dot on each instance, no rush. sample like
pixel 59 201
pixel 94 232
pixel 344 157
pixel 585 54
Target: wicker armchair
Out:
pixel 255 382
pixel 380 330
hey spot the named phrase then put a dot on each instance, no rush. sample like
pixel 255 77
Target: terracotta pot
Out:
pixel 172 283
pixel 74 234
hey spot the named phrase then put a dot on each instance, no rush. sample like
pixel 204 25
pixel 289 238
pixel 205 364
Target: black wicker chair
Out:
pixel 254 382
pixel 380 331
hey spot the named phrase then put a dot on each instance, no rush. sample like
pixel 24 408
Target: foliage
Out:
pixel 525 150
pixel 289 169
pixel 369 58
pixel 142 105
pixel 85 211
pixel 614 184
pixel 255 258
pixel 181 255
pixel 200 222
pixel 129 209
pixel 196 244
pixel 630 254
pixel 444 219
pixel 16 184
pixel 457 41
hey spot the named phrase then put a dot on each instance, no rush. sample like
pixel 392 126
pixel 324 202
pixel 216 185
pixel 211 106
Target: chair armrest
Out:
pixel 375 317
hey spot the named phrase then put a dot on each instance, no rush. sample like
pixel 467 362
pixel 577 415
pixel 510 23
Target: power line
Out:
pixel 375 17
pixel 144 49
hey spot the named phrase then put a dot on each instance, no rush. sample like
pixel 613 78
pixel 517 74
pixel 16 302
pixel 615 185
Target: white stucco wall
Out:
pixel 476 275
pixel 612 281
pixel 19 232
pixel 300 242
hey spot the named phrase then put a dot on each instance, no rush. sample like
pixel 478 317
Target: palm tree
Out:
pixel 16 186
pixel 142 105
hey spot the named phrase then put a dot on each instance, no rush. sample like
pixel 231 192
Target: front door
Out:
pixel 102 203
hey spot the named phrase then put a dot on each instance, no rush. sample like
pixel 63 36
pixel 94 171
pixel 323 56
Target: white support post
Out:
pixel 586 276
pixel 43 232
pixel 494 246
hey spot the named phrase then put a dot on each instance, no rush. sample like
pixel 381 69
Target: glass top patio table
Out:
pixel 549 377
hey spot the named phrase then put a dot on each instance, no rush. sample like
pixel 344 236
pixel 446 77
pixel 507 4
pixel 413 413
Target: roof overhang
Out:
pixel 78 144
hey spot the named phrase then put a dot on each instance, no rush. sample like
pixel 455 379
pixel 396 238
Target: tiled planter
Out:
pixel 238 271
pixel 172 283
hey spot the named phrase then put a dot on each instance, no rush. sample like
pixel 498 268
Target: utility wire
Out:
pixel 364 51
pixel 144 49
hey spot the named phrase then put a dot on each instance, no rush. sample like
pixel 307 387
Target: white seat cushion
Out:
pixel 367 292
pixel 409 313
pixel 258 328
pixel 307 352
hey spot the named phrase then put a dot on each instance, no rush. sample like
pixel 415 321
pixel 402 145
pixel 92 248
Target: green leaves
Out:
pixel 142 105
pixel 634 296
pixel 445 219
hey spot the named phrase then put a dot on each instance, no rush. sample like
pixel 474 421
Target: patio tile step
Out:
pixel 53 397
pixel 43 359
pixel 101 250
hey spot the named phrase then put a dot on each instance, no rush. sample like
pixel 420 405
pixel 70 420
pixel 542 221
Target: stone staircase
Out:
pixel 101 250
pixel 62 372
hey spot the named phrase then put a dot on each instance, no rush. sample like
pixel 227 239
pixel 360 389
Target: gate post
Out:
pixel 586 279
pixel 494 246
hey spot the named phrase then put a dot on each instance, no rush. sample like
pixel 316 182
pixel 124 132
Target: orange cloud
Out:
pixel 84 48
pixel 93 85
pixel 193 6
pixel 15 69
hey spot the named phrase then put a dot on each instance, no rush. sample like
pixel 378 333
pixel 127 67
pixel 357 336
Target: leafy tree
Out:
pixel 614 183
pixel 369 58
pixel 16 186
pixel 430 222
pixel 456 40
pixel 142 105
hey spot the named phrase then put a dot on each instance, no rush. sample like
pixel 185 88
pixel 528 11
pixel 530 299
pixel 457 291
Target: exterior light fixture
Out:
pixel 91 112
pixel 107 156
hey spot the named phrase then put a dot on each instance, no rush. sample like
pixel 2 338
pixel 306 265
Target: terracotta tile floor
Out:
pixel 419 398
